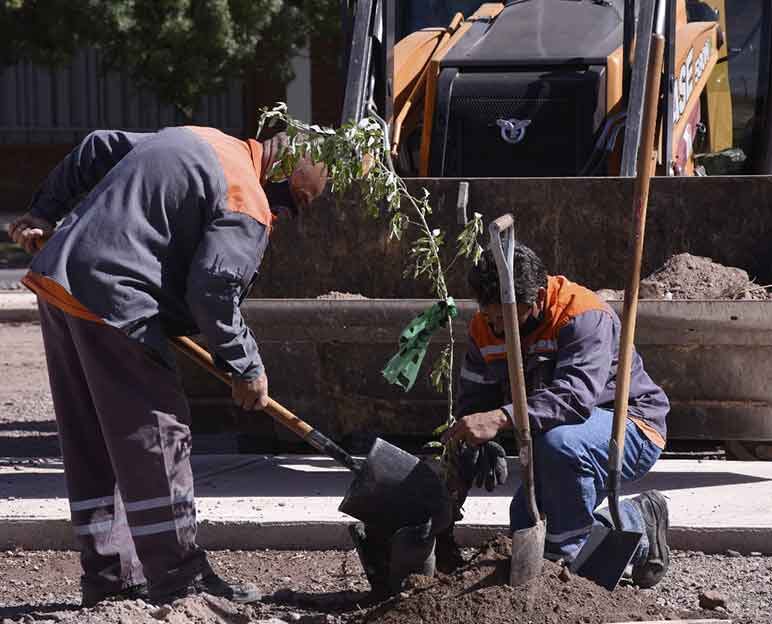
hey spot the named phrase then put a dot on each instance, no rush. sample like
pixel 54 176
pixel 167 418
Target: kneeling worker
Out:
pixel 570 342
pixel 166 241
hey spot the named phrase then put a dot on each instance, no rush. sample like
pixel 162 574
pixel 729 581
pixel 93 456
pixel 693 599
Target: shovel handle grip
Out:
pixel 504 222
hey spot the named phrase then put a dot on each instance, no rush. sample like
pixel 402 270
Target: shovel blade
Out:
pixel 605 555
pixel 394 488
pixel 527 553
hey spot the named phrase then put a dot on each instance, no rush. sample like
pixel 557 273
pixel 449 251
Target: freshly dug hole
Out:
pixel 478 593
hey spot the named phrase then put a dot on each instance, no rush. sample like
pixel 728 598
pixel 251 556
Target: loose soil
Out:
pixel 328 587
pixel 479 593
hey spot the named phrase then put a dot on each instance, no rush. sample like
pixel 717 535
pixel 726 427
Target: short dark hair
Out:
pixel 530 275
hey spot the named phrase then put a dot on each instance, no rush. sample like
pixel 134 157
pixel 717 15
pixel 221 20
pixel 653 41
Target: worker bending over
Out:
pixel 166 240
pixel 570 342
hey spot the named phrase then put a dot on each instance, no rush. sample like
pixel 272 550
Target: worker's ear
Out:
pixel 541 298
pixel 307 182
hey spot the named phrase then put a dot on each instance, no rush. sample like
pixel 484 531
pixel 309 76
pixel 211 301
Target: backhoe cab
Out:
pixel 538 87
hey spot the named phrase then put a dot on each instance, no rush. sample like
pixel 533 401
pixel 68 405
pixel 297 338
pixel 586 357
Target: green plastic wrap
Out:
pixel 402 369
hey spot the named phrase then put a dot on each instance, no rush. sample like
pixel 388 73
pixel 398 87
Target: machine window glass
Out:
pixel 746 53
pixel 417 14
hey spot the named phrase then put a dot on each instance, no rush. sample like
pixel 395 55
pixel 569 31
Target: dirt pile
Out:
pixel 478 593
pixel 697 277
pixel 685 276
pixel 200 609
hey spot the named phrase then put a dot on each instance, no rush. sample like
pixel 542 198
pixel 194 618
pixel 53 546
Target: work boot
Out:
pixel 91 596
pixel 209 583
pixel 653 508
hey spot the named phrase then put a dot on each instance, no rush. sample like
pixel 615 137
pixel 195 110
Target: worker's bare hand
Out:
pixel 476 429
pixel 251 395
pixel 28 231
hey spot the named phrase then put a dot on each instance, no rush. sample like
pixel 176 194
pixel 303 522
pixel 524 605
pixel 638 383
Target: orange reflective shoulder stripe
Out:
pixel 55 294
pixel 565 300
pixel 241 162
pixel 570 300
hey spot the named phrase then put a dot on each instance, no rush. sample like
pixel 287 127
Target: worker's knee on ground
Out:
pixel 558 449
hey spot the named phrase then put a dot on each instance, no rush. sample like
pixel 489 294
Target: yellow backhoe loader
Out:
pixel 532 88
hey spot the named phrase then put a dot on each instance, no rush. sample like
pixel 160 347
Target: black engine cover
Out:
pixel 524 94
pixel 523 123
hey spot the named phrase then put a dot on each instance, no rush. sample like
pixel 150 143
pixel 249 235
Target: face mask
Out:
pixel 531 324
pixel 280 198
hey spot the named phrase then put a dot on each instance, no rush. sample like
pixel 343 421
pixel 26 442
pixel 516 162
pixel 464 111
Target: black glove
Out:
pixel 485 464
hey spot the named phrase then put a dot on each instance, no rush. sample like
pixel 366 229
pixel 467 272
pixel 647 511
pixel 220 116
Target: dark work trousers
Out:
pixel 124 430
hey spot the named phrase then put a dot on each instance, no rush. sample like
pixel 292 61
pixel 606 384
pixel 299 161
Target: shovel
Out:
pixel 607 552
pixel 391 488
pixel 527 544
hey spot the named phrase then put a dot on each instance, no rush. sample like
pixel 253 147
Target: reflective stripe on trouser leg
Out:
pixel 145 422
pixel 106 548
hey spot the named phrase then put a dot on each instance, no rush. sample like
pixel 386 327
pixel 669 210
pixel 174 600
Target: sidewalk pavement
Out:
pixel 256 501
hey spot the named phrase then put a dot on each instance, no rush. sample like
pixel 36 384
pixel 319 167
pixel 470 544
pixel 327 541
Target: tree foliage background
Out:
pixel 181 49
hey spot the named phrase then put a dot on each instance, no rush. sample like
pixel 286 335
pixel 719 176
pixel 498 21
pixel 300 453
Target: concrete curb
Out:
pixel 51 534
pixel 18 307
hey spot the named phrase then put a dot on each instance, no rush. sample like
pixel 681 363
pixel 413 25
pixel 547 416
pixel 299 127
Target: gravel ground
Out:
pixel 329 587
pixel 27 426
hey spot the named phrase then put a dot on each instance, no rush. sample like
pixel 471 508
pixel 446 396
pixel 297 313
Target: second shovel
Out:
pixel 528 543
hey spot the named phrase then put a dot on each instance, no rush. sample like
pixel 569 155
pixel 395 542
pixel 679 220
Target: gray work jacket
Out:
pixel 161 234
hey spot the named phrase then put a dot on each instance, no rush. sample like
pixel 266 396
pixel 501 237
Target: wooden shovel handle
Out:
pixel 646 163
pixel 278 412
pixel 505 267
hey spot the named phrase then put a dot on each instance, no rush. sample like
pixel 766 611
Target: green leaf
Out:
pixel 440 374
pixel 441 429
